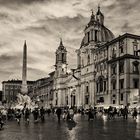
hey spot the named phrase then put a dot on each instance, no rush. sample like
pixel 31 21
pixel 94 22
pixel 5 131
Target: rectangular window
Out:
pixel 121 67
pixel 86 99
pixel 96 35
pixel 113 70
pixel 121 83
pixel 104 53
pixel 114 52
pixel 136 83
pixel 56 99
pixel 67 100
pixel 114 85
pixel 121 49
pixel 97 87
pixel 62 57
pixel 121 45
pixel 121 96
pixel 88 36
pixel 87 89
pixel 104 85
pixel 74 100
pixel 135 48
pixel 136 67
pixel 114 102
pixel 92 34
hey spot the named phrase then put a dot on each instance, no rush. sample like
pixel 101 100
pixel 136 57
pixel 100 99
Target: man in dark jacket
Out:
pixel 125 113
pixel 42 114
pixel 58 112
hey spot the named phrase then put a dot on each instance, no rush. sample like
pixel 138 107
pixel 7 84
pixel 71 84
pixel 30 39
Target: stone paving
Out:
pixel 81 129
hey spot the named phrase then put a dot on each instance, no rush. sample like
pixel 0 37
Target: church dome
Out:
pixel 96 31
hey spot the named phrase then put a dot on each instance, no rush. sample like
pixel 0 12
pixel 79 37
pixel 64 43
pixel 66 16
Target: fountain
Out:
pixel 23 101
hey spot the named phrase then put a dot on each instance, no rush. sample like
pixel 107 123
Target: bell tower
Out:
pixel 61 60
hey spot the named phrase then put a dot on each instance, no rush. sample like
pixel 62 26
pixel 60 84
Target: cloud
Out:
pixel 42 22
pixel 20 1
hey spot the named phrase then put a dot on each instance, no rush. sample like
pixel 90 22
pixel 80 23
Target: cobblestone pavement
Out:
pixel 81 129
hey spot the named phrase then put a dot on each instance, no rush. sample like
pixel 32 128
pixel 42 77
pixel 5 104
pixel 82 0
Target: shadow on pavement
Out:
pixel 71 124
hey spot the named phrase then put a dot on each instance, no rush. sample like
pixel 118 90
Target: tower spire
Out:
pixel 61 42
pixel 92 15
pixel 99 6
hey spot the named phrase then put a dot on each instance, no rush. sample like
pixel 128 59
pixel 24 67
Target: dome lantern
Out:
pixel 100 16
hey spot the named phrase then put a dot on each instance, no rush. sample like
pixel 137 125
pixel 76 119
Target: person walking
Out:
pixel 110 113
pixel 90 114
pixel 4 115
pixel 135 113
pixel 18 116
pixel 58 112
pixel 36 115
pixel 42 114
pixel 27 115
pixel 70 114
pixel 1 122
pixel 125 113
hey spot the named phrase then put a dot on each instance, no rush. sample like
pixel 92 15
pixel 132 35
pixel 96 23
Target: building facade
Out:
pixel 43 91
pixel 107 70
pixel 11 88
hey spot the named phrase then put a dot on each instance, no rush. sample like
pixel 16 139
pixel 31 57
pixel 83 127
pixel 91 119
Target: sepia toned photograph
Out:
pixel 69 69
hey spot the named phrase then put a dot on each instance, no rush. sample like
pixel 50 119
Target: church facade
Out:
pixel 107 70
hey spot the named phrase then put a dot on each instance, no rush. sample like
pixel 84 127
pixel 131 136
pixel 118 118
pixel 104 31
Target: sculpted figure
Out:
pixel 19 98
pixel 27 99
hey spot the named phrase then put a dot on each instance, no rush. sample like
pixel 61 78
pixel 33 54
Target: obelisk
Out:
pixel 24 88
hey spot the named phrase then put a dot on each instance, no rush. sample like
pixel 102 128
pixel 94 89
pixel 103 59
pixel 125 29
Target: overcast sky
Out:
pixel 42 22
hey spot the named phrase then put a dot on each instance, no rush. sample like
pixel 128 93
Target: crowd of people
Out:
pixel 113 113
pixel 67 114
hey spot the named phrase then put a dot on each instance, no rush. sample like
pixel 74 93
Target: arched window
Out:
pixel 136 67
